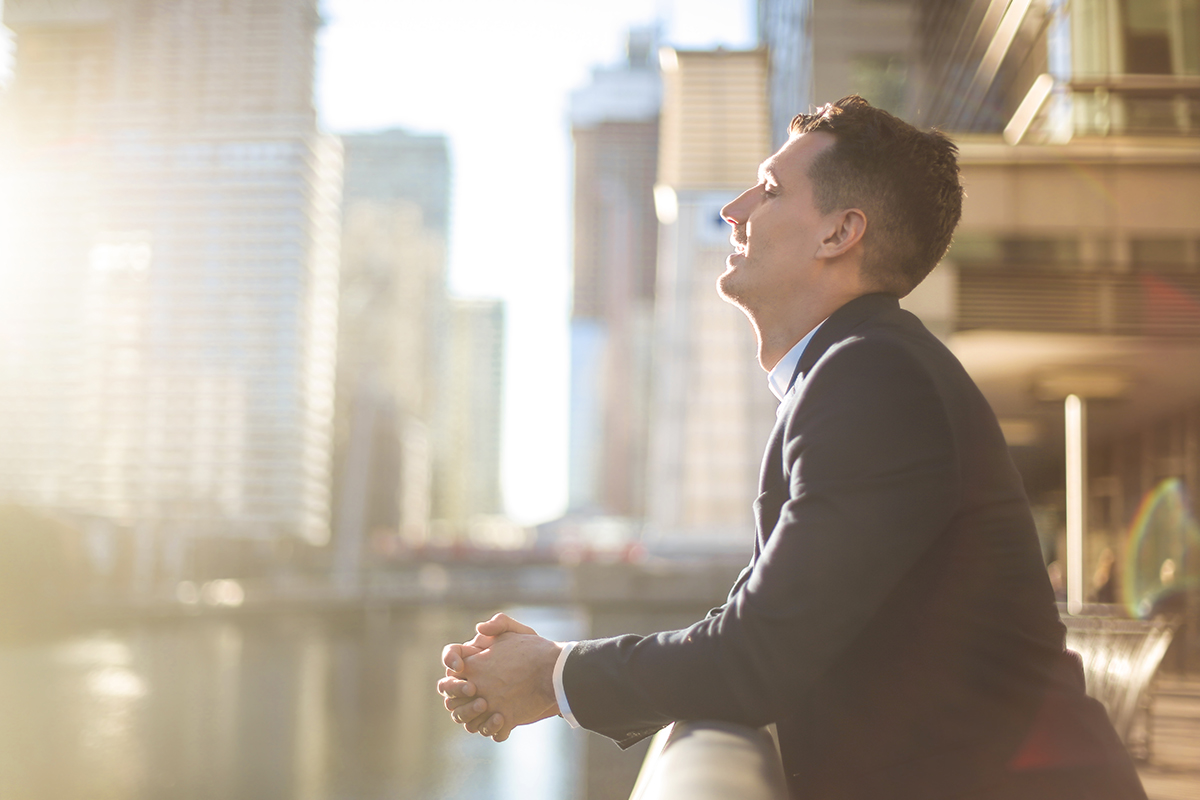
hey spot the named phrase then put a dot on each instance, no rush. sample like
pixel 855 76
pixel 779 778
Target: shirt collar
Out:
pixel 780 377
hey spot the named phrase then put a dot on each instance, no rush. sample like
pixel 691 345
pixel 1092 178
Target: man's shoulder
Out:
pixel 887 366
pixel 882 345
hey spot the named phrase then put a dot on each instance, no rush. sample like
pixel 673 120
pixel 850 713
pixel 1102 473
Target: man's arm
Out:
pixel 872 481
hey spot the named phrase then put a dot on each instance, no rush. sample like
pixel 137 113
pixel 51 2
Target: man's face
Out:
pixel 776 229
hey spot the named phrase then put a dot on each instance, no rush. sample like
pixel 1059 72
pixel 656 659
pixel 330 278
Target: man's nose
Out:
pixel 734 211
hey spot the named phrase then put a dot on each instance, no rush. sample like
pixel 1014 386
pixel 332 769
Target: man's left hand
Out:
pixel 514 676
pixel 479 709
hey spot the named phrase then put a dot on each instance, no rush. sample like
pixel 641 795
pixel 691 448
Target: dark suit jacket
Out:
pixel 896 620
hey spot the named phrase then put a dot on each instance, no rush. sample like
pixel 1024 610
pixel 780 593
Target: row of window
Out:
pixel 1160 253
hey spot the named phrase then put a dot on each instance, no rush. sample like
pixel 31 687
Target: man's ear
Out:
pixel 848 228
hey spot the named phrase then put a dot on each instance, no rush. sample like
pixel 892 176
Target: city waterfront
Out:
pixel 285 706
pixel 308 705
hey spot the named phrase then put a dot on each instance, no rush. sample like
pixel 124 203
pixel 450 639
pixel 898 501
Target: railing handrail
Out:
pixel 708 760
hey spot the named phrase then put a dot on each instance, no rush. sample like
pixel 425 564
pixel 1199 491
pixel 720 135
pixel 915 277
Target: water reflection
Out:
pixel 305 707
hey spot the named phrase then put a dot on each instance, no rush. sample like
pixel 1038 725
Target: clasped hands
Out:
pixel 500 679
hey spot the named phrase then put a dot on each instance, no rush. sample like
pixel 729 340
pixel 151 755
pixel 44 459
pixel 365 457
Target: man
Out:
pixel 895 620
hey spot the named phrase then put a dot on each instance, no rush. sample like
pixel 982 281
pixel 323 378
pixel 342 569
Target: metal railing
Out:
pixel 1120 657
pixel 711 761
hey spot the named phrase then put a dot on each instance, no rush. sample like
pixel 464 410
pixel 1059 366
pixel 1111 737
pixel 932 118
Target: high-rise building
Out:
pixel 785 30
pixel 392 317
pixel 712 409
pixel 614 125
pixel 468 417
pixel 169 273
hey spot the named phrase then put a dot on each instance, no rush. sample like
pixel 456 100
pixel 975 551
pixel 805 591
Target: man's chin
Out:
pixel 727 288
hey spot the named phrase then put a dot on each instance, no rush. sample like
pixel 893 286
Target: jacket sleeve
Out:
pixel 869 481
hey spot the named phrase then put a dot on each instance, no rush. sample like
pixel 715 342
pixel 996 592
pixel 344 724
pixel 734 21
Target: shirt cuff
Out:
pixel 560 693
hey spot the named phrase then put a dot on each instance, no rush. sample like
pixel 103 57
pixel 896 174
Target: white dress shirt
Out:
pixel 781 374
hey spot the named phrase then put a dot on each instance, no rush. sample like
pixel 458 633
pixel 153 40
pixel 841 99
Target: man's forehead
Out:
pixel 798 148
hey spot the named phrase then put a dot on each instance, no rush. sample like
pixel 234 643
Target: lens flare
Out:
pixel 1163 539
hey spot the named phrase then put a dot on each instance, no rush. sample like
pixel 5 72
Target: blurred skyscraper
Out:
pixel 170 270
pixel 468 417
pixel 392 316
pixel 712 409
pixel 614 125
pixel 420 374
pixel 784 29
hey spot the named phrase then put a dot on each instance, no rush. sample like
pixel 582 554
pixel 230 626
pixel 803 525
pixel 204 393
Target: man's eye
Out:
pixel 770 189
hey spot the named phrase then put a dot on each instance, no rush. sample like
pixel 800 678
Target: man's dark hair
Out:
pixel 905 180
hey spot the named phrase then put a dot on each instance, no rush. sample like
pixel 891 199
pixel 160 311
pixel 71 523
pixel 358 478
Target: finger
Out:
pixel 452 703
pixel 453 686
pixel 452 657
pixel 502 623
pixel 493 724
pixel 476 722
pixel 478 644
pixel 475 711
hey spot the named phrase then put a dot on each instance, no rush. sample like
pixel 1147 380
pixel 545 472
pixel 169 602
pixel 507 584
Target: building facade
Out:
pixel 467 422
pixel 614 127
pixel 712 409
pixel 818 52
pixel 785 30
pixel 1075 270
pixel 170 269
pixel 392 310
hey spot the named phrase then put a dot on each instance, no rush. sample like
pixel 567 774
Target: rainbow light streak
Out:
pixel 1163 528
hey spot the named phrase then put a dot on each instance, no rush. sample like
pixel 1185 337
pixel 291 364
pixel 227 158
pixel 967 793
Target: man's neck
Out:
pixel 777 337
pixel 772 349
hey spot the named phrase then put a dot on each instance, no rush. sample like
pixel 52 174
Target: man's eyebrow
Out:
pixel 766 170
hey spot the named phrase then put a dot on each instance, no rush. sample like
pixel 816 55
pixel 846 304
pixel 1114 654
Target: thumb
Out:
pixel 503 623
pixel 452 657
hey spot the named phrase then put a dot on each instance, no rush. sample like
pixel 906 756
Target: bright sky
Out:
pixel 495 77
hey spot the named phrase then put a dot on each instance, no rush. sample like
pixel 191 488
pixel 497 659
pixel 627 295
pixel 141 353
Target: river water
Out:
pixel 269 708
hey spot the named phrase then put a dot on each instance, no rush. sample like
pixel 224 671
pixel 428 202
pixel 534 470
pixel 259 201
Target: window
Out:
pixel 882 79
pixel 1147 39
pixel 1161 255
pixel 991 250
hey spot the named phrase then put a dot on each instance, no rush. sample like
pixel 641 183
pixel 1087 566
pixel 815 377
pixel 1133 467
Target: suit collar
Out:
pixel 839 324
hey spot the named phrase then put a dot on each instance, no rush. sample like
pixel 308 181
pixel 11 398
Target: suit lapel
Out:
pixel 772 482
pixel 839 325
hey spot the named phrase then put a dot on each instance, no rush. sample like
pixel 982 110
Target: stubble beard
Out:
pixel 728 289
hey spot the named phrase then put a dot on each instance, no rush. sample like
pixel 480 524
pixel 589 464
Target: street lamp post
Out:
pixel 1075 409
